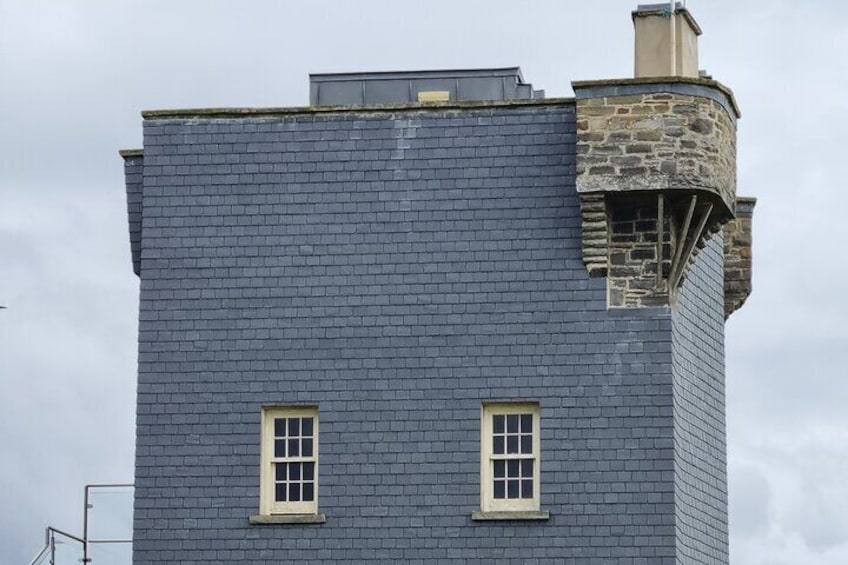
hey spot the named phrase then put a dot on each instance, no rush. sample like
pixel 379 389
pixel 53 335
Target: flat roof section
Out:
pixel 407 87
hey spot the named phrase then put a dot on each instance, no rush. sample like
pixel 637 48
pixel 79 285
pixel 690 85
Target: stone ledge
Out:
pixel 738 256
pixel 273 519
pixel 131 153
pixel 745 204
pixel 213 113
pixel 500 516
pixel 689 86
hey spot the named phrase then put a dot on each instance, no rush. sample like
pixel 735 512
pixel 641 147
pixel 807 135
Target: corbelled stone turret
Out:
pixel 656 169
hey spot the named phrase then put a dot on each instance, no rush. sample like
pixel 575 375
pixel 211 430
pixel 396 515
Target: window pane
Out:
pixel 500 489
pixel 500 469
pixel 527 468
pixel 512 489
pixel 292 480
pixel 512 423
pixel 306 426
pixel 512 444
pixel 280 427
pixel 281 492
pixel 527 423
pixel 280 471
pixel 527 489
pixel 279 448
pixel 498 423
pixel 512 468
pixel 498 446
pixel 526 444
pixel 294 492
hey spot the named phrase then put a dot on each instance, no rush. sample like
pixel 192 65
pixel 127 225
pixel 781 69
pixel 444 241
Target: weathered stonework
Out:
pixel 133 169
pixel 660 157
pixel 595 234
pixel 669 142
pixel 633 251
pixel 737 256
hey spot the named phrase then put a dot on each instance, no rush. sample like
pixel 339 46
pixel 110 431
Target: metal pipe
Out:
pixel 673 18
pixel 66 534
pixel 660 237
pixel 690 247
pixel 85 527
pixel 43 550
pixel 681 240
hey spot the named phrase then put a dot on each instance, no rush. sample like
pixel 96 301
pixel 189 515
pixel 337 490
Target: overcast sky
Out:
pixel 74 75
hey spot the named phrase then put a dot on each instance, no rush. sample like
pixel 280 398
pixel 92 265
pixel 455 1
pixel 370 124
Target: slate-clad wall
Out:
pixel 133 167
pixel 699 411
pixel 396 269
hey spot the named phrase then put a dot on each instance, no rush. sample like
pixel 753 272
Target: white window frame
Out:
pixel 488 502
pixel 268 505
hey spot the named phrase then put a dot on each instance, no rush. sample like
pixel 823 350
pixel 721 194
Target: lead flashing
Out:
pixel 645 10
pixel 447 73
pixel 745 205
pixel 691 86
pixel 220 113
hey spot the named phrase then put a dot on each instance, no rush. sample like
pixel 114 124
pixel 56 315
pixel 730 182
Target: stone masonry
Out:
pixel 656 141
pixel 635 231
pixel 656 172
pixel 737 256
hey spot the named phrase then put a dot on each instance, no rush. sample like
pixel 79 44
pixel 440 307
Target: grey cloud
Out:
pixel 749 503
pixel 804 469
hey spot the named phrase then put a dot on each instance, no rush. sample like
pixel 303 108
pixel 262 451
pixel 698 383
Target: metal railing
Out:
pixel 107 531
pixel 53 548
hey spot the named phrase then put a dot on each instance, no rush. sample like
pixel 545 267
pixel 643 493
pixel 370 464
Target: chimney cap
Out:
pixel 643 10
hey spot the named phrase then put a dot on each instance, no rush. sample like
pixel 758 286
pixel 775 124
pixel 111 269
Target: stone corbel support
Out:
pixel 133 172
pixel 656 175
pixel 738 255
pixel 595 234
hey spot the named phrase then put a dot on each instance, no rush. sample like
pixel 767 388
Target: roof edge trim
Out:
pixel 427 73
pixel 605 88
pixel 662 10
pixel 212 113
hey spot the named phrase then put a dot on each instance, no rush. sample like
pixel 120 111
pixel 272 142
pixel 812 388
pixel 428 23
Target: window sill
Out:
pixel 268 520
pixel 536 515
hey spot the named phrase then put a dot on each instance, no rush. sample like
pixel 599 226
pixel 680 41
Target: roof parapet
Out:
pixel 404 87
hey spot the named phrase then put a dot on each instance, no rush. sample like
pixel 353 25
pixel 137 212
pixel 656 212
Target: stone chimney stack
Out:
pixel 666 41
